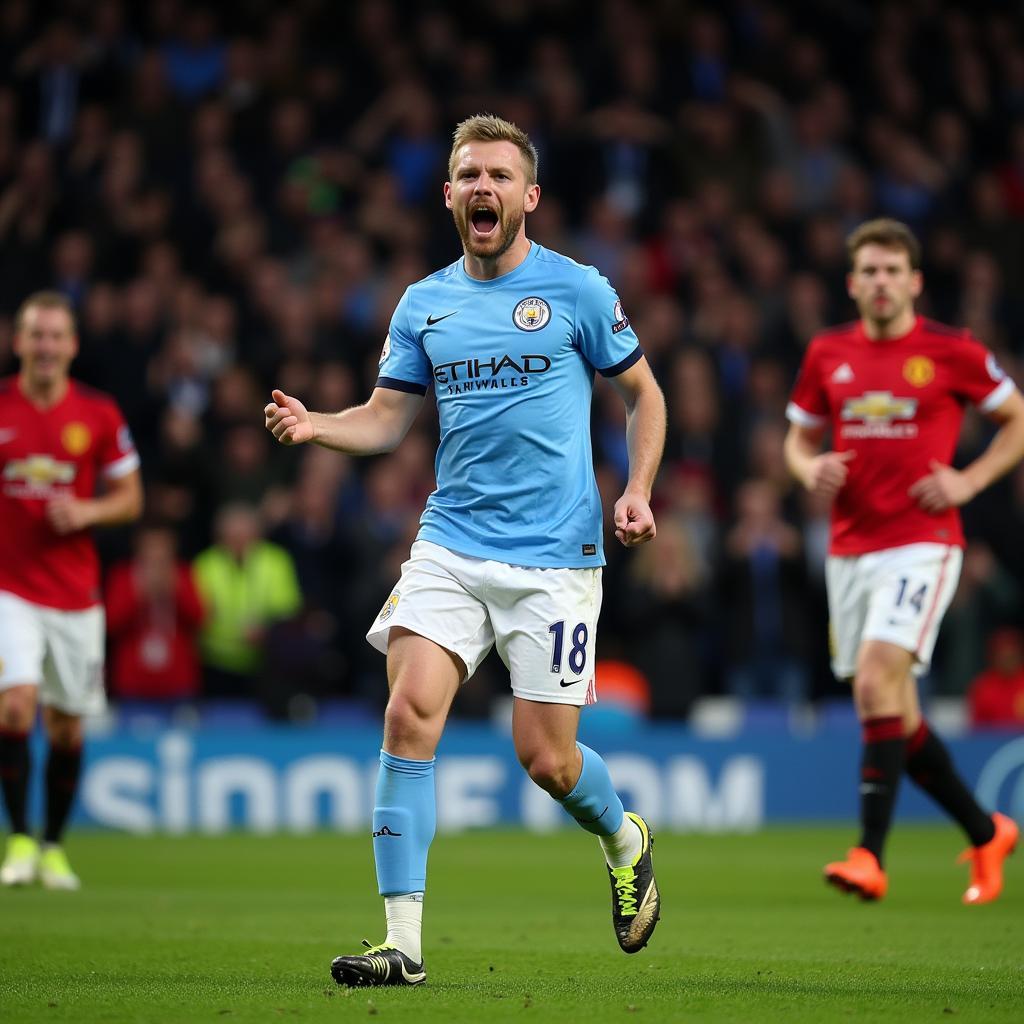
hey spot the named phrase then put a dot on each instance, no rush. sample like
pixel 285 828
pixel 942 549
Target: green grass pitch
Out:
pixel 242 928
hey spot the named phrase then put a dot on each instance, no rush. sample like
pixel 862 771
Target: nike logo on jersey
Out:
pixel 431 320
pixel 842 374
pixel 572 682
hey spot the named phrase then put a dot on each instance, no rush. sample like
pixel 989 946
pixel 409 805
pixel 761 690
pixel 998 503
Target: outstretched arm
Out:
pixel 377 426
pixel 645 439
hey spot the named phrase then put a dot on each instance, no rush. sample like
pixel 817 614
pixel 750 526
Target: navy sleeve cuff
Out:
pixel 394 384
pixel 634 357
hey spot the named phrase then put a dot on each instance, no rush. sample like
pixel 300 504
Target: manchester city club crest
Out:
pixel 389 607
pixel 531 314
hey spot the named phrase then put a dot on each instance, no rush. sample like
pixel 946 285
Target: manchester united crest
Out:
pixel 919 371
pixel 75 437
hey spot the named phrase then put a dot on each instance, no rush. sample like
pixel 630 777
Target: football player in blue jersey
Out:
pixel 509 550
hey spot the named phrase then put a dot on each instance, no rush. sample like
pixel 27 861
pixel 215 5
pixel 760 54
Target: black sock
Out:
pixel 931 767
pixel 880 769
pixel 15 764
pixel 62 770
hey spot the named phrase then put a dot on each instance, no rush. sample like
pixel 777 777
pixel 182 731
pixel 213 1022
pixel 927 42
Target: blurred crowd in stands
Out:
pixel 235 196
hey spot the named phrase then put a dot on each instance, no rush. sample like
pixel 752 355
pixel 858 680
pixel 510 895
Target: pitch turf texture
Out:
pixel 243 928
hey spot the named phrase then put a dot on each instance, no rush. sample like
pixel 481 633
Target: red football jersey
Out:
pixel 898 403
pixel 45 453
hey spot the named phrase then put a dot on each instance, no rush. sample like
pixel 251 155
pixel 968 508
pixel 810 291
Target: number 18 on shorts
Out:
pixel 542 621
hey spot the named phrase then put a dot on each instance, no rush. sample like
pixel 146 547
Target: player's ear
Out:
pixel 849 285
pixel 532 198
pixel 448 194
pixel 916 284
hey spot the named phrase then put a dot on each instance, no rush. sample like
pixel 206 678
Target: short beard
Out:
pixel 508 235
pixel 881 321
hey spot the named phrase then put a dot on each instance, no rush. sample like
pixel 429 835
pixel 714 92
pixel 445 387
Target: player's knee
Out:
pixel 66 735
pixel 554 773
pixel 406 719
pixel 877 687
pixel 17 711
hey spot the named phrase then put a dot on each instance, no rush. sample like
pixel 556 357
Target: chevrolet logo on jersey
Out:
pixel 875 412
pixel 879 407
pixel 40 471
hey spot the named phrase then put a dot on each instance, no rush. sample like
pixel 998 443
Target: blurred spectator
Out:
pixel 52 66
pixel 324 553
pixel 996 697
pixel 763 595
pixel 196 60
pixel 153 616
pixel 247 584
pixel 663 614
pixel 986 596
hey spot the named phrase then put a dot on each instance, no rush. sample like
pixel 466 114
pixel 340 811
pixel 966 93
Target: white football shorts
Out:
pixel 542 621
pixel 59 651
pixel 898 595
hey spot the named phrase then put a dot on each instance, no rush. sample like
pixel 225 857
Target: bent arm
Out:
pixel 801 447
pixel 1005 450
pixel 121 502
pixel 645 425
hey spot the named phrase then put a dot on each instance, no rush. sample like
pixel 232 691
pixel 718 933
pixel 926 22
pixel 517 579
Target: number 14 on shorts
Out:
pixel 910 594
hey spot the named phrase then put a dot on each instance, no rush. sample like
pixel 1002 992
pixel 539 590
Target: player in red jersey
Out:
pixel 891 387
pixel 56 438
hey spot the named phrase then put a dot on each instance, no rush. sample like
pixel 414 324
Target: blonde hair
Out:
pixel 888 233
pixel 44 300
pixel 488 128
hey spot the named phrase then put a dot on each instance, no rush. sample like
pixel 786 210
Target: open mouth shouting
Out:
pixel 483 223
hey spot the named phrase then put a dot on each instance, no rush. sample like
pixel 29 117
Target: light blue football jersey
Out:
pixel 512 363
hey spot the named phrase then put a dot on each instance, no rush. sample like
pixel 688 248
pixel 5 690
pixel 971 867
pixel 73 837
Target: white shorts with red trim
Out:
pixel 542 621
pixel 58 651
pixel 898 595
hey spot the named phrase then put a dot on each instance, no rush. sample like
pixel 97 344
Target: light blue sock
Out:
pixel 404 819
pixel 593 801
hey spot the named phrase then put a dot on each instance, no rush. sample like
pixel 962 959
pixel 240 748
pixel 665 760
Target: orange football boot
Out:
pixel 860 873
pixel 987 861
